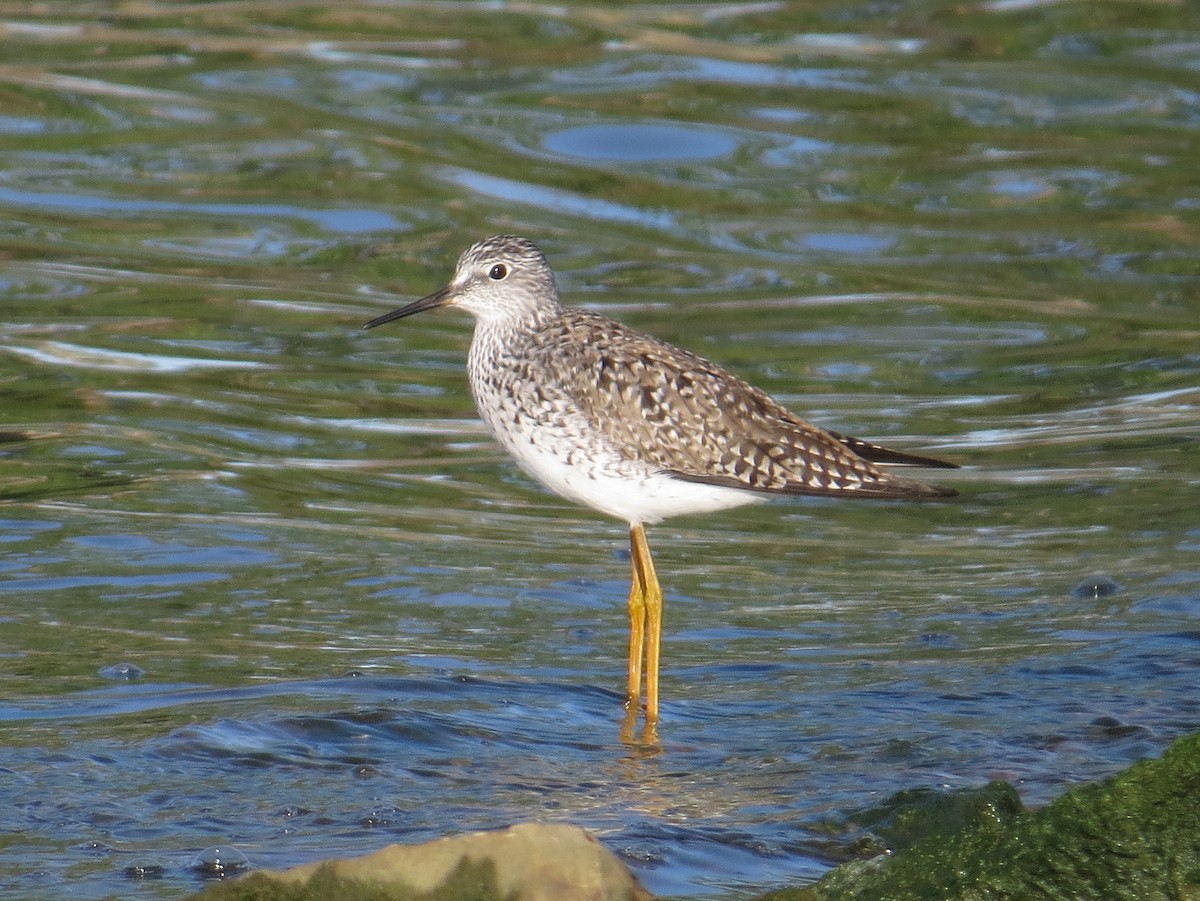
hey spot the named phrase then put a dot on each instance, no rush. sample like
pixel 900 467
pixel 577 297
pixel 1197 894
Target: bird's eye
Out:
pixel 498 272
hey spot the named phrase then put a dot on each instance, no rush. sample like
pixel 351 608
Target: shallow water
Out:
pixel 267 586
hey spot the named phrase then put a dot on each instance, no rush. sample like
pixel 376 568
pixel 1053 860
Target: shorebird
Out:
pixel 636 428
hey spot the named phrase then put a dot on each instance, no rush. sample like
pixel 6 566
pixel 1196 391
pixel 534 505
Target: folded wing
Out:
pixel 698 422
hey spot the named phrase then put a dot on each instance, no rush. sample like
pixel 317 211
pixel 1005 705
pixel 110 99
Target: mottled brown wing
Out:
pixel 698 422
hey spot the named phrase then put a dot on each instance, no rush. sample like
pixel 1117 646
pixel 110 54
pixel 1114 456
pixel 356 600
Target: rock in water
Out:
pixel 527 862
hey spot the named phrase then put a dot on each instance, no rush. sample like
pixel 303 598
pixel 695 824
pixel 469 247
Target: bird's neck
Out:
pixel 495 338
pixel 516 322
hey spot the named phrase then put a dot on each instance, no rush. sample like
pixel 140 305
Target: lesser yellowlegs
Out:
pixel 631 426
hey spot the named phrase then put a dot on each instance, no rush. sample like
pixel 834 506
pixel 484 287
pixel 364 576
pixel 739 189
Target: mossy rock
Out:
pixel 915 814
pixel 1133 836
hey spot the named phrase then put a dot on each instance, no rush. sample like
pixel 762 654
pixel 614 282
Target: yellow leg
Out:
pixel 637 631
pixel 651 602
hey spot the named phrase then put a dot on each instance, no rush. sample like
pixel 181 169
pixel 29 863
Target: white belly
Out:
pixel 582 469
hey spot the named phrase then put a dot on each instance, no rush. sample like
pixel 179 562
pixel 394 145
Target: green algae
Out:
pixel 1133 836
pixel 917 814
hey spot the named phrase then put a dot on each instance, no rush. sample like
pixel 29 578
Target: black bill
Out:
pixel 432 302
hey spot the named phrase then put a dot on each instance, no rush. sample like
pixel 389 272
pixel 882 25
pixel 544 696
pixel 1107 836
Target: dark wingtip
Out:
pixel 877 453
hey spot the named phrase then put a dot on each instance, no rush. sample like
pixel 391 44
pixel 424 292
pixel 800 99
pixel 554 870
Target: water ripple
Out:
pixel 60 353
pixel 345 221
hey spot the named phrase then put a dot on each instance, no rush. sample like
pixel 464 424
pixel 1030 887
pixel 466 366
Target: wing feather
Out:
pixel 698 422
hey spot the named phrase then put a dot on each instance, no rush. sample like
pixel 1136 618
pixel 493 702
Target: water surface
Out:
pixel 267 586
